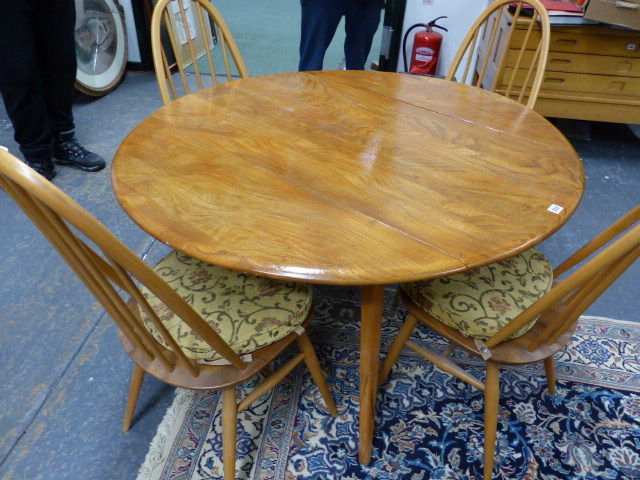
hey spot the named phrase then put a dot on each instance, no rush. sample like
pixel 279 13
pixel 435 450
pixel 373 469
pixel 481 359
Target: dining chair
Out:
pixel 190 37
pixel 506 50
pixel 513 312
pixel 186 322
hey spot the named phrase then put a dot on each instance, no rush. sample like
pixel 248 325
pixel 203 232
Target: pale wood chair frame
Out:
pixel 558 314
pixel 534 68
pixel 112 276
pixel 206 15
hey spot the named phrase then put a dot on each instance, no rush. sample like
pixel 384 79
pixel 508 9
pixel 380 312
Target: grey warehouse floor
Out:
pixel 64 374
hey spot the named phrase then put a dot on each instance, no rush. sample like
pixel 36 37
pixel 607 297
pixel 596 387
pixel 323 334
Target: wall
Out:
pixel 460 16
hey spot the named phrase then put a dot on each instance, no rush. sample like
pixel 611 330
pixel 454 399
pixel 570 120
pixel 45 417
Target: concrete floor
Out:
pixel 64 375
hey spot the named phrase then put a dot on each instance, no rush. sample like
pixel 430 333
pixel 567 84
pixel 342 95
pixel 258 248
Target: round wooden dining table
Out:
pixel 348 178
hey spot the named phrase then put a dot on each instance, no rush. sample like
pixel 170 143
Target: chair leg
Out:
pixel 229 432
pixel 550 370
pixel 491 404
pixel 397 347
pixel 134 392
pixel 311 359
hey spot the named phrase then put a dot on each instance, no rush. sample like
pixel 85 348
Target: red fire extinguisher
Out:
pixel 426 48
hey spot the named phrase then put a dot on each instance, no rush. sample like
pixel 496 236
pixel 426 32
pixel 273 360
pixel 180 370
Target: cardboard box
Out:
pixel 625 13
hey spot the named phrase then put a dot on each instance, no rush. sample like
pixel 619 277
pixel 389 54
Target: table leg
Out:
pixel 371 321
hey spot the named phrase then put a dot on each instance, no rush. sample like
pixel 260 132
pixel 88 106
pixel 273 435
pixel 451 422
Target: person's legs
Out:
pixel 362 20
pixel 57 60
pixel 320 19
pixel 20 83
pixel 59 64
pixel 37 74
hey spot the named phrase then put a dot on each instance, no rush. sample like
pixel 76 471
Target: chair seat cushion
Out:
pixel 480 302
pixel 249 312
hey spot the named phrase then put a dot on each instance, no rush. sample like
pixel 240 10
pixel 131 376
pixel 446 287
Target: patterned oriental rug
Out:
pixel 429 425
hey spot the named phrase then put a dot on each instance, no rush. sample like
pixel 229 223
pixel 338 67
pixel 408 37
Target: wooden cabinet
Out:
pixel 593 72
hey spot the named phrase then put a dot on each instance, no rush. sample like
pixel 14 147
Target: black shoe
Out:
pixel 47 170
pixel 67 150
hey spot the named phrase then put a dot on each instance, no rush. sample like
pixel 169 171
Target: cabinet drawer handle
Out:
pixel 559 61
pixel 624 67
pixel 566 42
pixel 616 86
pixel 554 80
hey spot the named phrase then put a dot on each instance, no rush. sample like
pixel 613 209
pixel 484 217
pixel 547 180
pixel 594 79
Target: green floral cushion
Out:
pixel 249 312
pixel 480 302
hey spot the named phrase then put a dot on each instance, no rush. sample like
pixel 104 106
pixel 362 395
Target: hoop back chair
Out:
pixel 228 327
pixel 191 36
pixel 513 312
pixel 513 59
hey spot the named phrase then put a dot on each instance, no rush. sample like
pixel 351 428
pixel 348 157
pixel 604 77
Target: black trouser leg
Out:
pixel 362 20
pixel 59 62
pixel 320 19
pixel 37 71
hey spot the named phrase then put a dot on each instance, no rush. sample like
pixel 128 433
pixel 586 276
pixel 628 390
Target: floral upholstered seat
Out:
pixel 247 311
pixel 480 302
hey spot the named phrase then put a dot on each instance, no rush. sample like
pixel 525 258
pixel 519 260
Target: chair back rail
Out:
pixel 599 241
pixel 520 81
pixel 184 32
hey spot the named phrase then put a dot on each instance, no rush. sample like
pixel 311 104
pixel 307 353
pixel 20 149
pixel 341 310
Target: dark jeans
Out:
pixel 37 71
pixel 320 19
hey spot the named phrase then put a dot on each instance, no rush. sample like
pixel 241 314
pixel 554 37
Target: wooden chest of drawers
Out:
pixel 593 73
